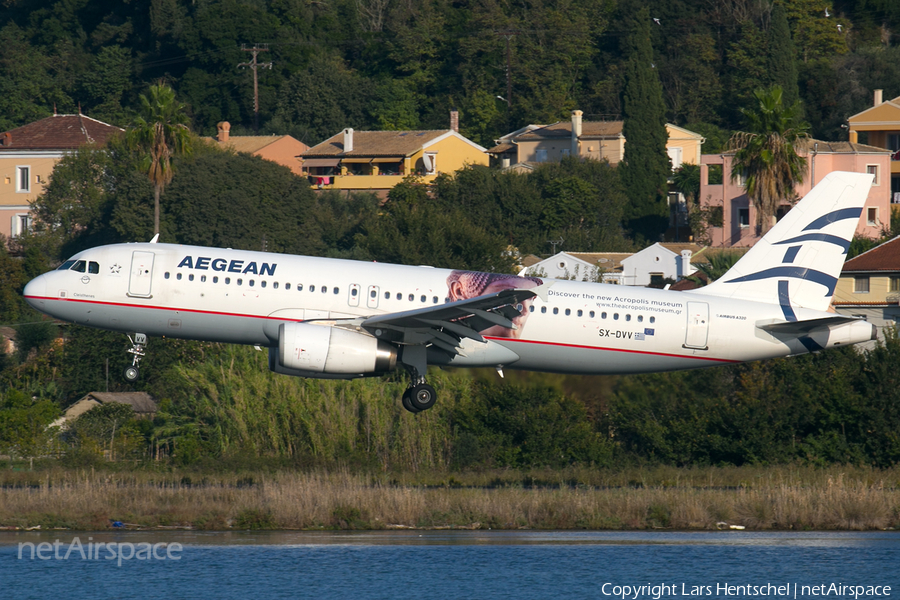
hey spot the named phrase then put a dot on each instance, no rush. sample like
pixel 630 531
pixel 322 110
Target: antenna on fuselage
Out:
pixel 155 239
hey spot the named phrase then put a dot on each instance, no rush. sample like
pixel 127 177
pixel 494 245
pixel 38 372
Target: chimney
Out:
pixel 686 267
pixel 348 139
pixel 6 139
pixel 878 99
pixel 576 130
pixel 223 128
pixel 454 120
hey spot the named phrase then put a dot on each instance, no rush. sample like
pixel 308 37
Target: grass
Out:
pixel 686 499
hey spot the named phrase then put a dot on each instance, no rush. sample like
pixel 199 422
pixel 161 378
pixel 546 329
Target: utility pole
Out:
pixel 255 50
pixel 508 34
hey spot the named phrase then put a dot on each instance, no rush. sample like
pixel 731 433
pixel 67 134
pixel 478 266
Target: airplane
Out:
pixel 342 319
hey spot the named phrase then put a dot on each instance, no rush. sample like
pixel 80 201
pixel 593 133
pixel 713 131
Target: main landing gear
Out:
pixel 132 372
pixel 419 395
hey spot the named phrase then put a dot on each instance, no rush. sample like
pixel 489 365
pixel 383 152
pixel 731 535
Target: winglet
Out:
pixel 543 291
pixel 155 239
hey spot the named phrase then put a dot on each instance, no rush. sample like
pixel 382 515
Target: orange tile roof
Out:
pixel 249 143
pixel 59 132
pixel 884 257
pixel 376 143
pixel 562 129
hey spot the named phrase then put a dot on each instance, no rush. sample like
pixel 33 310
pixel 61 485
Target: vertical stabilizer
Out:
pixel 798 262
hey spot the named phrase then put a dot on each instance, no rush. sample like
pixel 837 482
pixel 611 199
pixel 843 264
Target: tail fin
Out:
pixel 798 262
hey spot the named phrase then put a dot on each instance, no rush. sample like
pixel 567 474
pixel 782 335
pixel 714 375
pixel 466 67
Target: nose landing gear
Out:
pixel 132 372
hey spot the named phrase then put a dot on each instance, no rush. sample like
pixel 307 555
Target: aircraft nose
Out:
pixel 35 292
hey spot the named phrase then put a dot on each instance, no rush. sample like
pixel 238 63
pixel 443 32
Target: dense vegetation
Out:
pixel 394 64
pixel 397 64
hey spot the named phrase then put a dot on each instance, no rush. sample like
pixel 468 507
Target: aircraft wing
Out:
pixel 801 327
pixel 444 325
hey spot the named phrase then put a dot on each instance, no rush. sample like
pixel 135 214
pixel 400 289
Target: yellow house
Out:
pixel 376 161
pixel 869 285
pixel 600 140
pixel 881 125
pixel 28 155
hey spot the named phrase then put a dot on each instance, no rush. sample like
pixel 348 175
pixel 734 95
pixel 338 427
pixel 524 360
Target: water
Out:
pixel 455 564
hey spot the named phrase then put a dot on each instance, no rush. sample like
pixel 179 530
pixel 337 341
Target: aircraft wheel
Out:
pixel 132 373
pixel 422 396
pixel 407 404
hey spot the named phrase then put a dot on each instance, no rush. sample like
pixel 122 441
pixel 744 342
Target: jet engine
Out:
pixel 325 352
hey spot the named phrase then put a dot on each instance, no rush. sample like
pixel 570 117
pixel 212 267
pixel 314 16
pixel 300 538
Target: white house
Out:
pixel 580 266
pixel 659 262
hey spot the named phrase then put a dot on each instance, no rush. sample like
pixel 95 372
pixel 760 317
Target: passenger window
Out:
pixel 434 300
pixel 640 318
pixel 203 279
pixel 615 316
pixel 580 312
pixel 240 281
pixel 387 295
pixel 568 312
pixel 543 309
pixel 262 283
pixel 324 289
pixel 627 317
pixel 603 315
pixel 312 288
pixel 555 310
pixel 227 280
pixel 411 297
pixel 373 293
pixel 354 292
pixel 178 276
pixel 422 299
pixel 337 290
pixel 166 275
pixel 399 296
pixel 591 314
pixel 287 286
pixel 215 279
pixel 93 267
pixel 531 308
pixel 653 319
pixel 274 285
pixel 191 277
pixel 79 266
pixel 299 287
pixel 251 283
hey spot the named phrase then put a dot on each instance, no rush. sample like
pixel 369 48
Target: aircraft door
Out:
pixel 372 297
pixel 353 298
pixel 141 274
pixel 697 325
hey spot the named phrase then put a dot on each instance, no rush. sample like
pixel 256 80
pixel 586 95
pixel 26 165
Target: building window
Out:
pixel 744 217
pixel 872 216
pixel 564 152
pixel 873 170
pixel 714 174
pixel 895 284
pixel 861 285
pixel 23 179
pixel 540 155
pixel 20 224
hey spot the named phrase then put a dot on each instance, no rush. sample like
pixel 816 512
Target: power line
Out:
pixel 255 50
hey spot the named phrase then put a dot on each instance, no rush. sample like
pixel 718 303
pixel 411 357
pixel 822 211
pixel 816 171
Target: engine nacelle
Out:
pixel 316 350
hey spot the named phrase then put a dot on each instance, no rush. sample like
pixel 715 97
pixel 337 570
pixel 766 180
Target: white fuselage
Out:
pixel 241 297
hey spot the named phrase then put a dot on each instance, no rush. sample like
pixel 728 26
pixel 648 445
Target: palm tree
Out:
pixel 716 265
pixel 159 133
pixel 766 153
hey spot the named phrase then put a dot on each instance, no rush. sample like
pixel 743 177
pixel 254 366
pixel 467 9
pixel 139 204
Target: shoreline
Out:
pixel 759 499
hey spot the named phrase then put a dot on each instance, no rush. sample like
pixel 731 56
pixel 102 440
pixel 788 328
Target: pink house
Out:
pixel 732 217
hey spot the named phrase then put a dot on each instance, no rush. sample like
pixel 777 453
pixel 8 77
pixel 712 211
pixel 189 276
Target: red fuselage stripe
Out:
pixel 499 339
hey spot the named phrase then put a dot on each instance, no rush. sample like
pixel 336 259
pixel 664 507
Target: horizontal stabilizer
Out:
pixel 803 327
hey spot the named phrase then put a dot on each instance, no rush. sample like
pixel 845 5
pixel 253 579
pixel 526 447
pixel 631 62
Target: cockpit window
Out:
pixel 80 266
pixel 93 267
pixel 65 266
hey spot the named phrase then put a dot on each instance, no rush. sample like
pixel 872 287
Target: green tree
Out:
pixel 159 133
pixel 717 264
pixel 686 179
pixel 782 66
pixel 645 168
pixel 23 424
pixel 766 154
